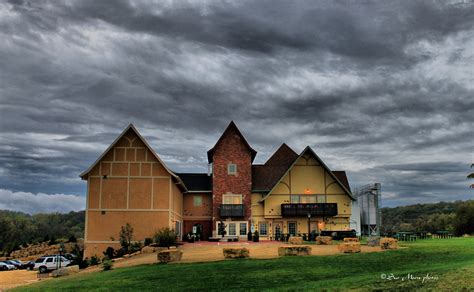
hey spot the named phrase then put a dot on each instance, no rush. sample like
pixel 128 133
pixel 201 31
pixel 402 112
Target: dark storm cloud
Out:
pixel 383 89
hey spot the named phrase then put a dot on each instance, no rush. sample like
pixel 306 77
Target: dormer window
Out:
pixel 232 168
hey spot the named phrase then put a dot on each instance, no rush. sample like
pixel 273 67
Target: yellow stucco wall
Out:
pixel 129 185
pixel 306 177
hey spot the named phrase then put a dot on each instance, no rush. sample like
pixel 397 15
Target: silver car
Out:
pixel 6 266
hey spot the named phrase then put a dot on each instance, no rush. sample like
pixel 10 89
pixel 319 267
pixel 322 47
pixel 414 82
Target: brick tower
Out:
pixel 231 160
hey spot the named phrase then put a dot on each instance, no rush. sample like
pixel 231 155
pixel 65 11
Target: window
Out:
pixel 243 229
pixel 232 231
pixel 233 228
pixel 221 227
pixel 306 199
pixel 49 260
pixel 229 199
pixel 295 199
pixel 197 201
pixel 321 199
pixel 231 168
pixel 177 228
pixel 262 228
pixel 292 228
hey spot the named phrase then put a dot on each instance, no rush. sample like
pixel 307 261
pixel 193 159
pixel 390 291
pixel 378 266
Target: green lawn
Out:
pixel 450 260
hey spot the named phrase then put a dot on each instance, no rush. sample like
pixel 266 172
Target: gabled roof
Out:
pixel 284 156
pixel 230 127
pixel 197 182
pixel 336 179
pixel 132 127
pixel 265 176
pixel 341 175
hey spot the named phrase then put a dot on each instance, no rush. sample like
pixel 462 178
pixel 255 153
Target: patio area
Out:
pixel 204 251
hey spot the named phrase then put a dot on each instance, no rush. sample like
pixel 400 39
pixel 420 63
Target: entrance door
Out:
pixel 278 230
pixel 198 229
pixel 292 228
pixel 313 226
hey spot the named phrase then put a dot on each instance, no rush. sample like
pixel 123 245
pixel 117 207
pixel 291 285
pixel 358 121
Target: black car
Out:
pixel 28 265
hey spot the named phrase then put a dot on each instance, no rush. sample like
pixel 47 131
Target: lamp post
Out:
pixel 61 250
pixel 309 224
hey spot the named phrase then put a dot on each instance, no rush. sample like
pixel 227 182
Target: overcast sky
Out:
pixel 383 89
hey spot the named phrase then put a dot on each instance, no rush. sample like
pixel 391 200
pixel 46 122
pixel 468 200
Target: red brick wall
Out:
pixel 231 149
pixel 206 228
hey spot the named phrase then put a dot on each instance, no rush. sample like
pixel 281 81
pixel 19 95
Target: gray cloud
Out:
pixel 40 203
pixel 382 89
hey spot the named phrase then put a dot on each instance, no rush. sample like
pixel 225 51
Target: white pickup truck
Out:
pixel 49 263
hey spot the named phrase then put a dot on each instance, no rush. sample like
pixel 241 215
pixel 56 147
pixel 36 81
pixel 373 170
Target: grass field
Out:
pixel 448 262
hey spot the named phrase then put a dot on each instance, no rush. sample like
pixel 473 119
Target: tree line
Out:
pixel 19 229
pixel 456 217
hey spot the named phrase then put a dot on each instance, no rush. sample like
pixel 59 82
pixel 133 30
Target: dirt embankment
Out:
pixel 34 251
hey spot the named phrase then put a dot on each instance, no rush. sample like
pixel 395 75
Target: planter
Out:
pixel 171 255
pixel 298 240
pixel 349 247
pixel 388 243
pixel 324 240
pixel 294 250
pixel 235 253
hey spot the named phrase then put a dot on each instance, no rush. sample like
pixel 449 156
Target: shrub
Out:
pixel 107 265
pixel 256 236
pixel 72 238
pixel 165 237
pixel 135 246
pixel 119 253
pixel 94 261
pixel 147 241
pixel 79 254
pixel 109 252
pixel 126 236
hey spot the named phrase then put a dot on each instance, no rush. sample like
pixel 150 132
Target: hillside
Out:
pixel 18 228
pixel 425 217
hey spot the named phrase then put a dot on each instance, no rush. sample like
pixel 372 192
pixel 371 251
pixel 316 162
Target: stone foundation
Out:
pixel 233 253
pixel 300 250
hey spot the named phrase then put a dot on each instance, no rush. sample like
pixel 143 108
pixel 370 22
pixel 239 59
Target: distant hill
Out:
pixel 423 217
pixel 18 228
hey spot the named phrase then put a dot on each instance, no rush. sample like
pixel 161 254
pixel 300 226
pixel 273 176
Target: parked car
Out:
pixel 68 256
pixel 16 263
pixel 7 266
pixel 49 263
pixel 28 265
pixel 3 267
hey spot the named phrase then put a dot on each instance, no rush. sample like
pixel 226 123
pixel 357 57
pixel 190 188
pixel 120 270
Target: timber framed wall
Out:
pixel 129 185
